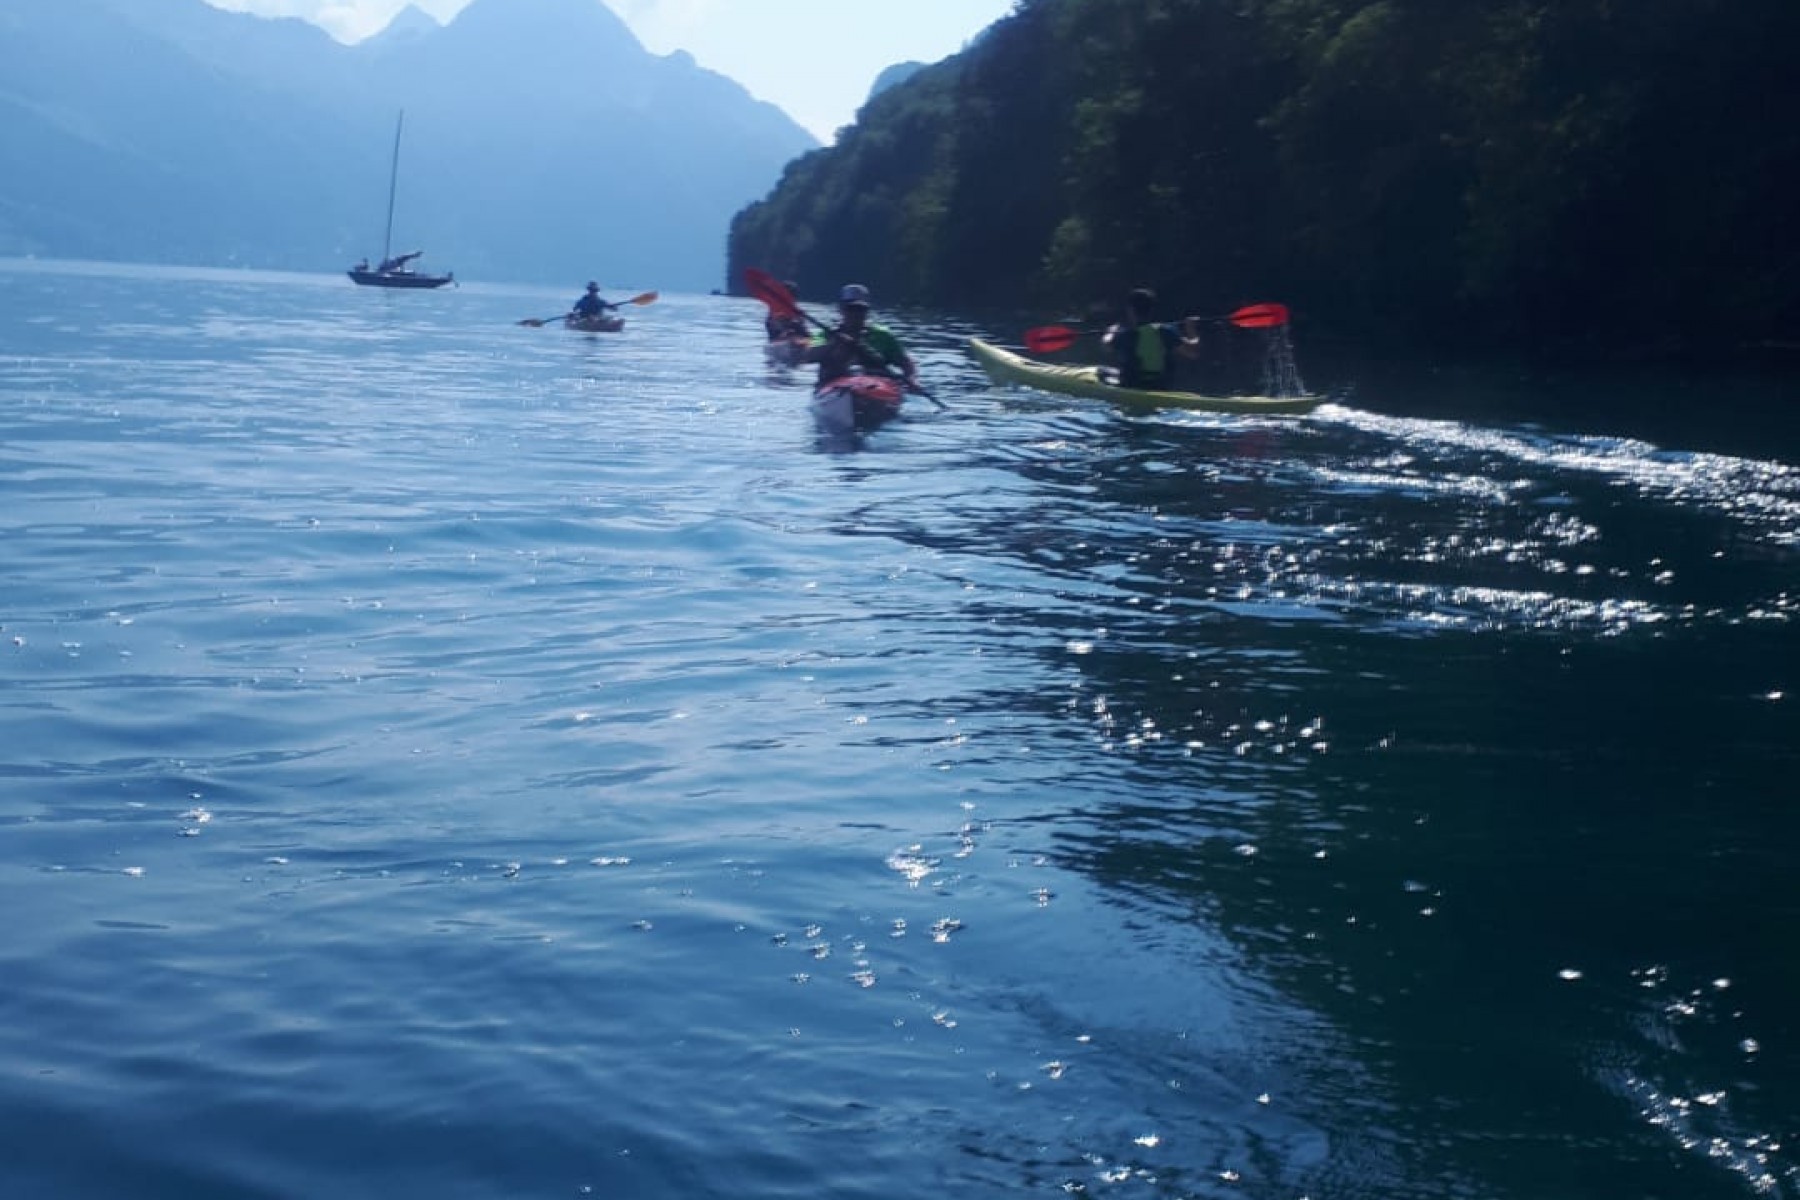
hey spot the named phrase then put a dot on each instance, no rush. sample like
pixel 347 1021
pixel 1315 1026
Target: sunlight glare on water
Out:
pixel 454 757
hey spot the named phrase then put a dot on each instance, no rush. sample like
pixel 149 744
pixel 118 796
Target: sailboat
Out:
pixel 395 271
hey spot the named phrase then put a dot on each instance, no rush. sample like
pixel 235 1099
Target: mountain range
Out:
pixel 543 142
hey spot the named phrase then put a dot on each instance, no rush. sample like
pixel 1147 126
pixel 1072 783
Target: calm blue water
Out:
pixel 445 758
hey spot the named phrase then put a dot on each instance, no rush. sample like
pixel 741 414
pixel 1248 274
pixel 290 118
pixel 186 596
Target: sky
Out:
pixel 815 59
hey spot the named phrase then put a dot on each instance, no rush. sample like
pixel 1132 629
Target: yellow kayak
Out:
pixel 1003 366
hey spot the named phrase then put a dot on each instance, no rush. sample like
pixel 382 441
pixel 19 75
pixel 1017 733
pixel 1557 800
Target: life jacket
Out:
pixel 1152 353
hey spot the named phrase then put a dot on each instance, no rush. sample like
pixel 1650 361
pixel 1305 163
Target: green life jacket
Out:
pixel 1152 352
pixel 1144 357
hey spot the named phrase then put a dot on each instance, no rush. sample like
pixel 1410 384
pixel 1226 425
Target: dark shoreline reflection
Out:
pixel 1477 752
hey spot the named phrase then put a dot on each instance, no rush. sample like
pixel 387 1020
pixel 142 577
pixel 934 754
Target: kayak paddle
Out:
pixel 640 298
pixel 772 292
pixel 1046 339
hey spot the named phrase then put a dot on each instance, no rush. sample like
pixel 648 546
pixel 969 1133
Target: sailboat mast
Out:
pixel 387 238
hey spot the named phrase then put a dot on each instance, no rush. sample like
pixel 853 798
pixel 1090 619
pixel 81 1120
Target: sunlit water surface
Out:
pixel 447 758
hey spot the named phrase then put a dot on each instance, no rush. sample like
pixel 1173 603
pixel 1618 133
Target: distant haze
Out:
pixel 817 62
pixel 349 21
pixel 196 135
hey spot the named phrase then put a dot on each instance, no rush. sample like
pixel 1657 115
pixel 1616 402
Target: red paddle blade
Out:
pixel 772 292
pixel 1259 316
pixel 1047 339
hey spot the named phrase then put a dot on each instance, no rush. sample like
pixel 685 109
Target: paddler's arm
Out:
pixel 1188 345
pixel 909 370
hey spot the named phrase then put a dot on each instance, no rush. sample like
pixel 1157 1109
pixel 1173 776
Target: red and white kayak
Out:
pixel 852 404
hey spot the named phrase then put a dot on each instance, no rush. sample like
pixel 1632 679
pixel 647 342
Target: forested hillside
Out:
pixel 1583 175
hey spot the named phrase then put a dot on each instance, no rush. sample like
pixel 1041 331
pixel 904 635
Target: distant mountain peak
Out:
pixel 542 140
pixel 410 22
pixel 559 20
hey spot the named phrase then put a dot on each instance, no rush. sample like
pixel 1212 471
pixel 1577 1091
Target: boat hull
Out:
pixel 594 324
pixel 399 279
pixel 1003 366
pixel 786 352
pixel 855 404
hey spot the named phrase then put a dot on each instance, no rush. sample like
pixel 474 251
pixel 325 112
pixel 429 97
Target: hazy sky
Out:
pixel 814 58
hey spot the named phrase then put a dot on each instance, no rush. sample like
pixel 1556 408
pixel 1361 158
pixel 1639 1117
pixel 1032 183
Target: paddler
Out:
pixel 782 324
pixel 1142 347
pixel 856 342
pixel 590 305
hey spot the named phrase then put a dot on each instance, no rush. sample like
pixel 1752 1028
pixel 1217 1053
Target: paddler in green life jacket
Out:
pixel 857 343
pixel 1142 348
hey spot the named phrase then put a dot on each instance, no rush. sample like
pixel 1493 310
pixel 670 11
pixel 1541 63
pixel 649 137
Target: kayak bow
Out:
pixel 852 404
pixel 600 324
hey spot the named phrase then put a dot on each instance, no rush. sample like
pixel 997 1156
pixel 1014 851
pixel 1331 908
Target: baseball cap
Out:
pixel 854 293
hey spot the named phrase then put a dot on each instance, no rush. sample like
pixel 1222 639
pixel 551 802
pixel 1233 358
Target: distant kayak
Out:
pixel 1003 366
pixel 594 324
pixel 786 352
pixel 853 404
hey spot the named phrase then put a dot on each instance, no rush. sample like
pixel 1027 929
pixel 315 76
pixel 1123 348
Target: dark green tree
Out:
pixel 1587 175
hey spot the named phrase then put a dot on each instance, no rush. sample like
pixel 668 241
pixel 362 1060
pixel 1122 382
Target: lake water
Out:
pixel 445 758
